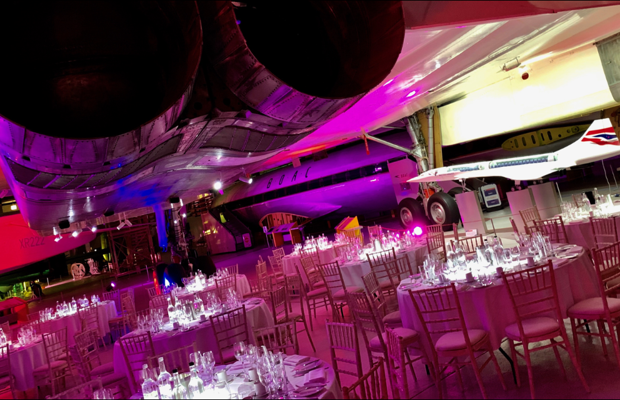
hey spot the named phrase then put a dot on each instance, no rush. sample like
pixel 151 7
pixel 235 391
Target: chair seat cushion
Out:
pixel 533 327
pixel 455 341
pixel 594 307
pixel 351 289
pixel 55 365
pixel 103 369
pixel 409 335
pixel 317 292
pixel 393 319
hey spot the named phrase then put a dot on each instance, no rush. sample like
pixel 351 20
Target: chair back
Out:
pixel 366 318
pixel 159 301
pixel 90 318
pixel 515 230
pixel 375 294
pixel 312 274
pixel 279 305
pixel 607 266
pixel 85 353
pixel 154 291
pixel 604 231
pixel 229 328
pixel 396 363
pixel 128 311
pixel 469 244
pixel 528 216
pixel 84 391
pixel 136 351
pixel 114 296
pixel 276 264
pixel 261 270
pixel 56 345
pixel 5 365
pixel 260 287
pixel 552 227
pixel 436 243
pixel 332 277
pixel 280 337
pixel 398 270
pixel 295 288
pixel 533 292
pixel 381 257
pixel 455 230
pixel 223 286
pixel 344 349
pixel 231 270
pixel 279 252
pixel 6 328
pixel 174 359
pixel 371 385
pixel 439 310
pixel 434 228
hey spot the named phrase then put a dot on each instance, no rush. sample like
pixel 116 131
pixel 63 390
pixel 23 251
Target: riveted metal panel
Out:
pixel 42 147
pixel 11 135
pixel 85 151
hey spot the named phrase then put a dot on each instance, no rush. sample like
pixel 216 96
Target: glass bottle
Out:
pixel 73 305
pixel 149 386
pixel 195 386
pixel 586 203
pixel 171 311
pixel 58 307
pixel 164 381
pixel 179 309
pixel 180 392
pixel 199 307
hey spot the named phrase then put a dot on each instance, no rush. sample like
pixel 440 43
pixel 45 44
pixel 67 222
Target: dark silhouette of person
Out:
pixel 160 270
pixel 175 271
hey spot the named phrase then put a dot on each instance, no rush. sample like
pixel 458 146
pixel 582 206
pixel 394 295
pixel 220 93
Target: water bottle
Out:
pixel 164 381
pixel 149 386
pixel 180 392
pixel 73 305
pixel 171 311
pixel 195 386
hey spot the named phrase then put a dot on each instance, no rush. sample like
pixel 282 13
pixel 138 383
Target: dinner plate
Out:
pixel 306 365
pixel 479 285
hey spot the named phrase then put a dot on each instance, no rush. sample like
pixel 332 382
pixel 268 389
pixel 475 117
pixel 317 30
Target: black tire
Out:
pixel 454 191
pixel 442 210
pixel 411 214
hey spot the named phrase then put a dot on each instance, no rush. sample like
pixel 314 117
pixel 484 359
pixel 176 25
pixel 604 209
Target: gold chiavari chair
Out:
pixel 604 231
pixel 528 216
pixel 58 364
pixel 7 379
pixel 436 243
pixel 229 328
pixel 336 288
pixel 371 385
pixel 90 321
pixel 174 359
pixel 295 288
pixel 278 338
pixel 552 227
pixel 344 349
pixel 231 270
pixel 223 286
pixel 84 391
pixel 136 351
pixel 469 244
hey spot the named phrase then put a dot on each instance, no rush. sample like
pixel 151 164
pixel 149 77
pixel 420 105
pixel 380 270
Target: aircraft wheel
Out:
pixel 411 214
pixel 442 210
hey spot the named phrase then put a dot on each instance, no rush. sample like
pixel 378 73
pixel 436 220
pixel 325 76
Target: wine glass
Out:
pixel 240 354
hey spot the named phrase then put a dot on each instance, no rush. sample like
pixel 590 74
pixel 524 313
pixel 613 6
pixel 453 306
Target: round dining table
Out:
pixel 24 360
pixel 354 271
pixel 490 309
pixel 292 261
pixel 258 315
pixel 105 309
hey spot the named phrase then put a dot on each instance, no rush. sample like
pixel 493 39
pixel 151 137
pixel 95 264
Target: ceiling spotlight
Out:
pixel 128 222
pixel 246 180
pixel 75 233
pixel 184 215
pixel 121 226
pixel 217 185
pixel 93 229
pixel 13 207
pixel 58 238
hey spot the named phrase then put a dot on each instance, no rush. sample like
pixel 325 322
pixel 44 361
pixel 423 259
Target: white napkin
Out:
pixel 296 359
pixel 235 368
pixel 316 376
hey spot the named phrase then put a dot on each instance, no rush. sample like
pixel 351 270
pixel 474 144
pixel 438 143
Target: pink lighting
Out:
pixel 417 231
pixel 411 93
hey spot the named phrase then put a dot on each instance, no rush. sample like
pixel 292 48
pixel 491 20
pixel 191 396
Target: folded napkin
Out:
pixel 294 360
pixel 316 376
pixel 235 368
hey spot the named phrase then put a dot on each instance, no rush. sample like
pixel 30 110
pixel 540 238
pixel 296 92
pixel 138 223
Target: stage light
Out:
pixel 13 207
pixel 58 238
pixel 75 233
pixel 93 229
pixel 417 231
pixel 121 226
pixel 246 180
pixel 128 222
pixel 217 185
pixel 184 215
pixel 113 284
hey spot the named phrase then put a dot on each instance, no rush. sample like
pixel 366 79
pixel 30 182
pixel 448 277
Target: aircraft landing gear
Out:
pixel 411 214
pixel 443 210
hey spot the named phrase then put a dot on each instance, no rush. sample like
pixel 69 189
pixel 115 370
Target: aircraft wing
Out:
pixel 597 143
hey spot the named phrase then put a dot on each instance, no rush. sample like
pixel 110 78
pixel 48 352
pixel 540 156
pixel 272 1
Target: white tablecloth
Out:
pixel 106 310
pixel 258 316
pixel 352 272
pixel 243 288
pixel 579 232
pixel 490 308
pixel 24 361
pixel 290 261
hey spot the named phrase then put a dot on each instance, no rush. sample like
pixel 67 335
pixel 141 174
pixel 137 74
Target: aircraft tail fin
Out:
pixel 597 143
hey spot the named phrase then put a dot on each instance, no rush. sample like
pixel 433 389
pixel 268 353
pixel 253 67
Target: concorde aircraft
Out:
pixel 597 143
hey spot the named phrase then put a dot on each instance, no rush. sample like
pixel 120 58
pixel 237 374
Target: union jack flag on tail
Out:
pixel 602 137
